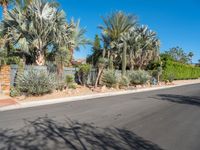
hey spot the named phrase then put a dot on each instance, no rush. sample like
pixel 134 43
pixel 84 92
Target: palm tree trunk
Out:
pixel 111 66
pixel 131 61
pixel 5 8
pixel 124 59
pixel 98 77
pixel 40 58
pixel 72 53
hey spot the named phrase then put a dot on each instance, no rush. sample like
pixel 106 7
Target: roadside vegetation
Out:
pixel 127 54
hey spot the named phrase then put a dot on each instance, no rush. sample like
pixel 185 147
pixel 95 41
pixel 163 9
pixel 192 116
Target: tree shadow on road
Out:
pixel 191 100
pixel 46 134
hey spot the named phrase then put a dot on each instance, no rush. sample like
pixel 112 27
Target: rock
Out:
pixel 104 88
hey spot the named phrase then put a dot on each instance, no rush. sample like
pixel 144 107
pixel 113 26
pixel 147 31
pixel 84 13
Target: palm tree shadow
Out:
pixel 191 100
pixel 45 133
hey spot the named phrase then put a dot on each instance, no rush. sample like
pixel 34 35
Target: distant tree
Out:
pixel 178 54
pixel 190 55
pixel 198 64
pixel 97 52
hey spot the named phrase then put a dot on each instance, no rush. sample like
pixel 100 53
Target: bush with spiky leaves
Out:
pixel 34 82
pixel 124 81
pixel 138 77
pixel 109 78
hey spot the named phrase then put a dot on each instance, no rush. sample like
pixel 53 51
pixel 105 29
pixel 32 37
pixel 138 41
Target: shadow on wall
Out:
pixel 45 133
pixel 191 100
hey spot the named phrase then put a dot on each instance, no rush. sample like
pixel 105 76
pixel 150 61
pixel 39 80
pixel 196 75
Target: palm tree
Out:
pixel 77 37
pixel 45 29
pixel 4 4
pixel 61 59
pixel 115 25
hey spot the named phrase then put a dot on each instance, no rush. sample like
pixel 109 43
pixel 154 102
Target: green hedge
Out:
pixel 179 71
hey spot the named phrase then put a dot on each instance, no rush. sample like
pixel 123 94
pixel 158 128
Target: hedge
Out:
pixel 179 71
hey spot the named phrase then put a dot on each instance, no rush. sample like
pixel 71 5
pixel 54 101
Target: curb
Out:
pixel 85 97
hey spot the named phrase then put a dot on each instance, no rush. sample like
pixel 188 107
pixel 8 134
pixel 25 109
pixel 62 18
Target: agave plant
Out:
pixel 34 30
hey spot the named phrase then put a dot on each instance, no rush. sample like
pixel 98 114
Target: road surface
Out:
pixel 163 119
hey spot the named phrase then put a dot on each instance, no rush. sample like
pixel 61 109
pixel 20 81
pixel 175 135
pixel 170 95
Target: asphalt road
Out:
pixel 162 119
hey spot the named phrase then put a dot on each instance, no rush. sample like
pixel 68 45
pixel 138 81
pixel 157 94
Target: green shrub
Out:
pixel 14 91
pixel 124 81
pixel 69 79
pixel 83 73
pixel 35 82
pixel 72 86
pixel 60 85
pixel 138 77
pixel 170 78
pixel 180 71
pixel 109 78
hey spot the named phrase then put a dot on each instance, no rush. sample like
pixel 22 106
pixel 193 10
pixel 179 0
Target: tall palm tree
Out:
pixel 77 37
pixel 45 29
pixel 115 25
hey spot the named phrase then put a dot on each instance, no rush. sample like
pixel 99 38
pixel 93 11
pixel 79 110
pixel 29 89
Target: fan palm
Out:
pixel 36 29
pixel 77 37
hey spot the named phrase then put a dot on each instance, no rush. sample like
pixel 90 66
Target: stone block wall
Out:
pixel 5 72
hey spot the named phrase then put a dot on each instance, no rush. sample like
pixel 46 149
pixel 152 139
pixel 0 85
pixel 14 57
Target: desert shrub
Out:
pixel 72 86
pixel 138 77
pixel 170 77
pixel 34 82
pixel 14 91
pixel 180 71
pixel 69 79
pixel 124 81
pixel 109 78
pixel 60 84
pixel 83 73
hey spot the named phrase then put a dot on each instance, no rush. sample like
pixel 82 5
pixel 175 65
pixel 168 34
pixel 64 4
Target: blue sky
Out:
pixel 177 22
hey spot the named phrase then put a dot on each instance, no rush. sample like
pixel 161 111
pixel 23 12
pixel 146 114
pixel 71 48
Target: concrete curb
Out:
pixel 85 97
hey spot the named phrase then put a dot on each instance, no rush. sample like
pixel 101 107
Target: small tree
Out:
pixel 101 64
pixel 83 72
pixel 62 57
pixel 97 52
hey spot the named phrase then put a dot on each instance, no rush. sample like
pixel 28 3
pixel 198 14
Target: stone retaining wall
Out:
pixel 5 72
